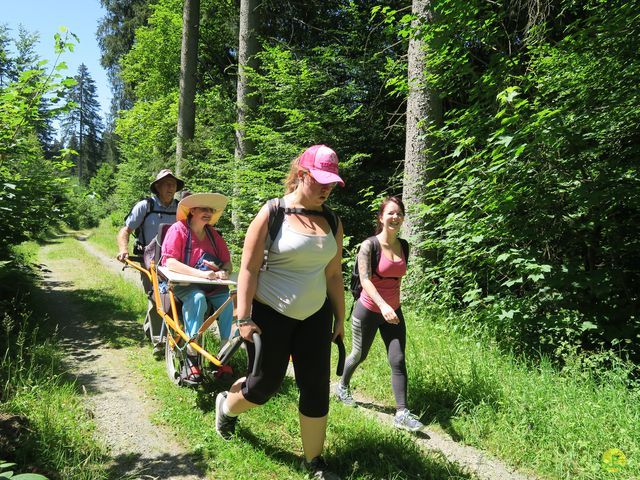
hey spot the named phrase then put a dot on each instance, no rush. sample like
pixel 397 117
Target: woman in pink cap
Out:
pixel 292 303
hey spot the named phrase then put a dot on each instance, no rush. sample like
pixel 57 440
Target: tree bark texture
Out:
pixel 247 48
pixel 188 70
pixel 423 109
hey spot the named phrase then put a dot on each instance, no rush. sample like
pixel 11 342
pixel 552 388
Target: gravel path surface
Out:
pixel 470 459
pixel 115 392
pixel 143 450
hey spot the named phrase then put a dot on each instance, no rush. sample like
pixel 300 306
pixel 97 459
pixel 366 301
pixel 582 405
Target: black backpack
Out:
pixel 140 242
pixel 355 286
pixel 277 211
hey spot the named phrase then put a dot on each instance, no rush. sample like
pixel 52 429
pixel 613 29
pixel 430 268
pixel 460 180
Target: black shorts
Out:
pixel 307 342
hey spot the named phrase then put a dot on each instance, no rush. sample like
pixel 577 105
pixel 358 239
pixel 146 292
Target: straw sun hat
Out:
pixel 215 201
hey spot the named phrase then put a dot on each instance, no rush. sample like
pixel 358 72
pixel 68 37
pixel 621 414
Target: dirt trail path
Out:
pixel 473 460
pixel 122 409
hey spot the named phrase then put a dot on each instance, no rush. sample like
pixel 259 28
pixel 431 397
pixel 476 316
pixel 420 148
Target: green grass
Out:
pixel 263 451
pixel 58 440
pixel 267 445
pixel 104 238
pixel 555 424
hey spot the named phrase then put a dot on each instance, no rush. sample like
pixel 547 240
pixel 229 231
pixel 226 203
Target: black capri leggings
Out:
pixel 308 342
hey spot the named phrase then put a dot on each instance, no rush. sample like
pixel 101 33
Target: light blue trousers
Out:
pixel 195 304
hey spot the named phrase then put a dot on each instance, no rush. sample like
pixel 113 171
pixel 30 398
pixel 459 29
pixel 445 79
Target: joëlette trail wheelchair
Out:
pixel 205 341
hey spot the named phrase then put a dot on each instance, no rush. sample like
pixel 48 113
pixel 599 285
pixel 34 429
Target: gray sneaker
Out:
pixel 225 425
pixel 406 420
pixel 344 395
pixel 317 468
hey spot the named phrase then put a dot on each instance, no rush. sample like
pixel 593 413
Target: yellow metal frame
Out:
pixel 174 329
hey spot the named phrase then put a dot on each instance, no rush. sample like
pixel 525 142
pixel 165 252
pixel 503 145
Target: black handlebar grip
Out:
pixel 341 356
pixel 257 361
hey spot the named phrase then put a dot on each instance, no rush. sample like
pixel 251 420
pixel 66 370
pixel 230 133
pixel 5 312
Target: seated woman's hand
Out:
pixel 218 275
pixel 222 275
pixel 210 274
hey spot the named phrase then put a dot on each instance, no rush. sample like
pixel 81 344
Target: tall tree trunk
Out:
pixel 424 108
pixel 188 69
pixel 247 48
pixel 80 149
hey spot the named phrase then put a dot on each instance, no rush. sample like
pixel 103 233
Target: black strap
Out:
pixel 150 210
pixel 277 211
pixel 187 247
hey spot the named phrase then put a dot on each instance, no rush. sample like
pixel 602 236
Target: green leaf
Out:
pixel 504 140
pixel 471 295
pixel 586 325
pixel 507 314
pixel 510 283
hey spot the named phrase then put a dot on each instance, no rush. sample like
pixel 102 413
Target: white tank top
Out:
pixel 295 283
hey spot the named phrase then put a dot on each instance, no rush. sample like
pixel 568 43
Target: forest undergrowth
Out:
pixel 553 423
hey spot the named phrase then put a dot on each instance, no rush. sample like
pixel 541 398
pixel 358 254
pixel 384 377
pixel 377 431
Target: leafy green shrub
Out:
pixel 30 185
pixel 535 219
pixel 83 209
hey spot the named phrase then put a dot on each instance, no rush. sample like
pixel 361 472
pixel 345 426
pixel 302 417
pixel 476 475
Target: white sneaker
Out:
pixel 344 395
pixel 406 420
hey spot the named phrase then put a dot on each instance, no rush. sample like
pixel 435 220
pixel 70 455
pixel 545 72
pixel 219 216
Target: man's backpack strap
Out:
pixel 148 212
pixel 138 233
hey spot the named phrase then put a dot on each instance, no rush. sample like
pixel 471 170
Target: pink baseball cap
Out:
pixel 322 163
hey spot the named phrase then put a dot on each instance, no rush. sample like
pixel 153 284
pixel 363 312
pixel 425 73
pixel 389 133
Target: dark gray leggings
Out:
pixel 364 325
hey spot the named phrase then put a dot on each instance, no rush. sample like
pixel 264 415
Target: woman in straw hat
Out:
pixel 193 247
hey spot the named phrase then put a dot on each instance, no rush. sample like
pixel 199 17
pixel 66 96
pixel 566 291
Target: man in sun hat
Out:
pixel 143 220
pixel 148 213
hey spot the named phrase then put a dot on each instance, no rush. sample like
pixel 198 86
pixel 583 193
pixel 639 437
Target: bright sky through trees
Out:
pixel 46 17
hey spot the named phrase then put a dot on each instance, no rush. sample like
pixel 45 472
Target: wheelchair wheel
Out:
pixel 173 361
